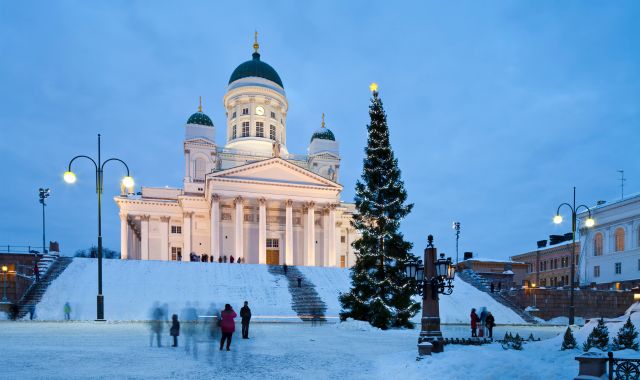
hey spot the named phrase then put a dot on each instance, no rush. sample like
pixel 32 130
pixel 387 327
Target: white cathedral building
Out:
pixel 250 199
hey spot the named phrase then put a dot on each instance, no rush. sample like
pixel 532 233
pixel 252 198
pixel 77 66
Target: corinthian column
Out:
pixel 239 227
pixel 288 234
pixel 332 235
pixel 325 237
pixel 186 236
pixel 144 237
pixel 311 230
pixel 124 236
pixel 164 238
pixel 262 232
pixel 215 226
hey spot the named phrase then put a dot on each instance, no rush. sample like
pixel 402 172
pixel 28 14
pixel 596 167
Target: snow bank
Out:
pixel 353 325
pixel 131 288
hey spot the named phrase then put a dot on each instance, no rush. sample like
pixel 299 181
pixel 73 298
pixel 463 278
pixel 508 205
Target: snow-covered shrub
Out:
pixel 598 338
pixel 626 338
pixel 569 341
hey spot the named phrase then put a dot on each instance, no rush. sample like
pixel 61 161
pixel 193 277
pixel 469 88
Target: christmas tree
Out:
pixel 598 338
pixel 626 338
pixel 569 342
pixel 380 293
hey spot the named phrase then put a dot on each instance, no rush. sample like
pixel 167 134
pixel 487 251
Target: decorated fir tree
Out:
pixel 569 341
pixel 598 338
pixel 380 293
pixel 626 338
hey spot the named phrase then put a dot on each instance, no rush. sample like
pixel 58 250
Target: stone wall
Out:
pixel 588 303
pixel 16 285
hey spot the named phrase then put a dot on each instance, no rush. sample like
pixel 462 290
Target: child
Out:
pixel 175 329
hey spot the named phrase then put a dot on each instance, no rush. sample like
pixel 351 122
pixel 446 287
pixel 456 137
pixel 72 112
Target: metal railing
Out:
pixel 23 249
pixel 627 369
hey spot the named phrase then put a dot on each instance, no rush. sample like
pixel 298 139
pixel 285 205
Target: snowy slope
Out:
pixel 131 287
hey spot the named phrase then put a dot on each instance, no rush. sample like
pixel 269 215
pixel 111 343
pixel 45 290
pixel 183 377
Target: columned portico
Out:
pixel 325 237
pixel 262 232
pixel 311 234
pixel 288 233
pixel 186 236
pixel 164 238
pixel 215 225
pixel 332 236
pixel 124 236
pixel 144 237
pixel 239 236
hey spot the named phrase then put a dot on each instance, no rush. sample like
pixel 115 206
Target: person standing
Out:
pixel 231 259
pixel 67 311
pixel 490 321
pixel 36 271
pixel 299 282
pixel 474 323
pixel 245 314
pixel 483 321
pixel 492 287
pixel 175 329
pixel 285 268
pixel 227 325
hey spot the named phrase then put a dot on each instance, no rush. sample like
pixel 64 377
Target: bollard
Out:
pixel 592 365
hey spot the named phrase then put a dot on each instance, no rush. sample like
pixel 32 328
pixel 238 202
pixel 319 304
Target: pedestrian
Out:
pixel 175 329
pixel 231 259
pixel 32 311
pixel 36 272
pixel 239 260
pixel 227 325
pixel 220 259
pixel 483 321
pixel 285 268
pixel 67 311
pixel 225 259
pixel 492 287
pixel 211 259
pixel 245 314
pixel 157 317
pixel 179 256
pixel 474 323
pixel 499 286
pixel 490 323
pixel 299 282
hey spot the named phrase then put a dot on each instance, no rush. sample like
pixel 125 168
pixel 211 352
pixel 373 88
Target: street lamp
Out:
pixel 433 277
pixel 589 222
pixel 70 177
pixel 456 226
pixel 44 194
pixel 5 269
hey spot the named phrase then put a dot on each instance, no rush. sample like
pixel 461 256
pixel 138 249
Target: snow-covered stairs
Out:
pixel 480 283
pixel 34 294
pixel 305 301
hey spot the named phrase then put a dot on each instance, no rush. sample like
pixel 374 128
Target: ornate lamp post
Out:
pixel 44 194
pixel 456 227
pixel 5 271
pixel 70 177
pixel 433 277
pixel 589 222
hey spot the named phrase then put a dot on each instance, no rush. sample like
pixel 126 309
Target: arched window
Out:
pixel 619 239
pixel 597 244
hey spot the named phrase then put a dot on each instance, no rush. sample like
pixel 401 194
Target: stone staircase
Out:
pixel 482 284
pixel 305 300
pixel 52 269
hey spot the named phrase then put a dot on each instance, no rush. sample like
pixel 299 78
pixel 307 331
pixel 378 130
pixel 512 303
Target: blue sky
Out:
pixel 496 109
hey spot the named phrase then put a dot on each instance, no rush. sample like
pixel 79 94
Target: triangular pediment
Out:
pixel 199 140
pixel 277 171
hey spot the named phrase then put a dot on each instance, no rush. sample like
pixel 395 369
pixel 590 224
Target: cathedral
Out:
pixel 250 199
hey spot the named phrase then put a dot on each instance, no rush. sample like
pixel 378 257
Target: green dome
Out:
pixel 323 134
pixel 256 68
pixel 200 118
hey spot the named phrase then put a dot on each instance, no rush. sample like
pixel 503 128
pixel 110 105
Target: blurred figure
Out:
pixel 32 311
pixel 36 271
pixel 67 311
pixel 220 259
pixel 245 314
pixel 157 319
pixel 299 282
pixel 175 329
pixel 225 258
pixel 231 259
pixel 483 322
pixel 285 268
pixel 189 319
pixel 227 325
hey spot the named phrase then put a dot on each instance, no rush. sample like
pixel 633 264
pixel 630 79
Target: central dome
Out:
pixel 256 68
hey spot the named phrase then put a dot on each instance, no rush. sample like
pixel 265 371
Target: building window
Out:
pixel 619 239
pixel 176 229
pixel 597 245
pixel 233 115
pixel 343 239
pixel 176 253
pixel 245 129
pixel 273 243
pixel 618 268
pixel 343 261
pixel 272 132
pixel 260 129
pixel 273 115
pixel 245 111
pixel 200 168
pixel 234 132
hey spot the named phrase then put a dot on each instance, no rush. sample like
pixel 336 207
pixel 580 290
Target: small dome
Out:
pixel 200 118
pixel 323 134
pixel 256 68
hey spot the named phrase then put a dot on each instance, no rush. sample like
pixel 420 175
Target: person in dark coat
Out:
pixel 299 282
pixel 474 323
pixel 231 259
pixel 225 258
pixel 492 287
pixel 36 272
pixel 490 322
pixel 227 325
pixel 483 321
pixel 175 329
pixel 220 259
pixel 285 268
pixel 245 314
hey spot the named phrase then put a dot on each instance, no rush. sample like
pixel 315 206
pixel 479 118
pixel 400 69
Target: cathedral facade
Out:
pixel 251 198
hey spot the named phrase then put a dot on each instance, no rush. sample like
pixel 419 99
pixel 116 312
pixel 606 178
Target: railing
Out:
pixel 596 365
pixel 623 369
pixel 25 249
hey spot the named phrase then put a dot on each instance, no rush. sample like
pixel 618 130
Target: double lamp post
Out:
pixel 127 182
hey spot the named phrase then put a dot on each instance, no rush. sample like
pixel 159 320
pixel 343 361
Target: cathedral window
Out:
pixel 176 253
pixel 273 115
pixel 245 129
pixel 597 245
pixel 619 236
pixel 234 132
pixel 234 115
pixel 260 129
pixel 272 132
pixel 176 229
pixel 273 243
pixel 245 111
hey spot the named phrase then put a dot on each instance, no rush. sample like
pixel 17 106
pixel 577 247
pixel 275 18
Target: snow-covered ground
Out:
pixel 352 350
pixel 131 287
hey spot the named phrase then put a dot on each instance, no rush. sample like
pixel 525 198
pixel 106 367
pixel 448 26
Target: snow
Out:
pixel 131 287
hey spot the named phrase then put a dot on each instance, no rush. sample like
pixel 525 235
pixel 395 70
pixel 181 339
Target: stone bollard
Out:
pixel 425 348
pixel 592 365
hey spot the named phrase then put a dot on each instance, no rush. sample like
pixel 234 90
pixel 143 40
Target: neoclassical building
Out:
pixel 250 198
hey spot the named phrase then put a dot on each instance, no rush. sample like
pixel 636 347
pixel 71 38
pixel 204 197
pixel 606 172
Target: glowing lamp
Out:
pixel 128 182
pixel 373 87
pixel 533 284
pixel 5 268
pixel 557 219
pixel 69 177
pixel 589 222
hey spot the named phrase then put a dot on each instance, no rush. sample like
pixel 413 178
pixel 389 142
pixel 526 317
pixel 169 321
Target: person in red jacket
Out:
pixel 227 325
pixel 36 272
pixel 474 323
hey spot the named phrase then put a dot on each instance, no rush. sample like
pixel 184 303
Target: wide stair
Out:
pixel 34 294
pixel 306 302
pixel 482 284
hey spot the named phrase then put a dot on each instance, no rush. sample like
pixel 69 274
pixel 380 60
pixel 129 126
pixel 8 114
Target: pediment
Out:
pixel 199 140
pixel 277 171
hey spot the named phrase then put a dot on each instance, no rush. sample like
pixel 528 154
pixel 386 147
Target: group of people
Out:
pixel 193 257
pixel 482 324
pixel 226 323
